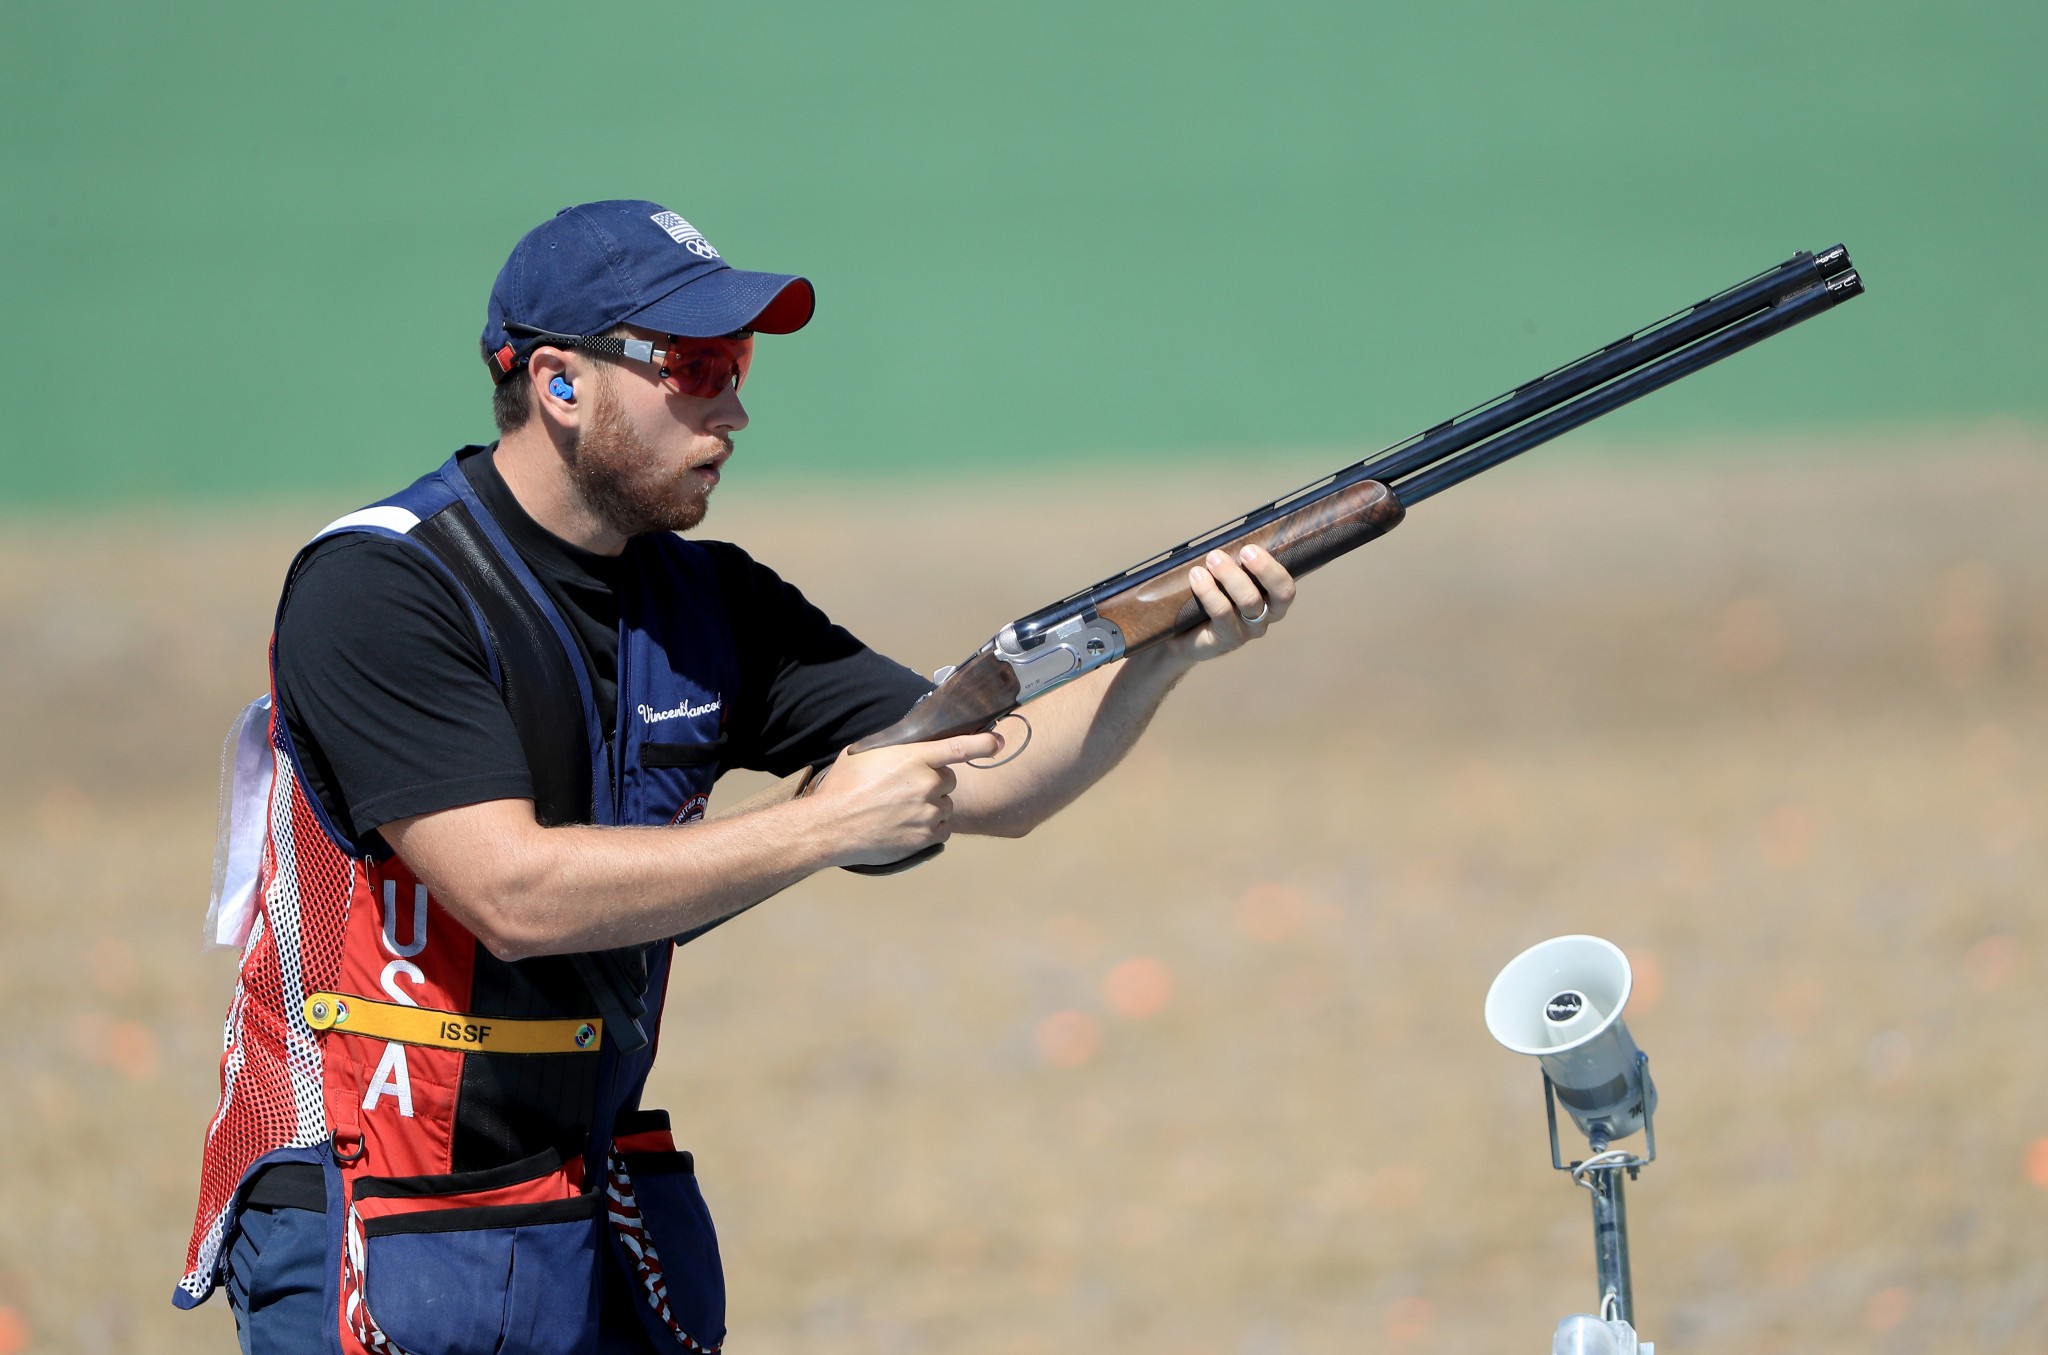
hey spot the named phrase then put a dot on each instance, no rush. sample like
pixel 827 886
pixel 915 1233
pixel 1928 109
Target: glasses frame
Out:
pixel 610 346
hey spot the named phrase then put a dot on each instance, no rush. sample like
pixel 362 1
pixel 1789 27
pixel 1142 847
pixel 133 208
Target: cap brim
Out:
pixel 729 299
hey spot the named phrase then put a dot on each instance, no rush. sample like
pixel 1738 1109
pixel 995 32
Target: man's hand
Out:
pixel 1086 726
pixel 895 802
pixel 1244 596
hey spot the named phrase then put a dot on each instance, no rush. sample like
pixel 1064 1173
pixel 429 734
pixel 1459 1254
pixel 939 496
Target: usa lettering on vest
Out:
pixel 393 1077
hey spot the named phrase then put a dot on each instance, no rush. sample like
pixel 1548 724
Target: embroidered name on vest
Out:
pixel 649 715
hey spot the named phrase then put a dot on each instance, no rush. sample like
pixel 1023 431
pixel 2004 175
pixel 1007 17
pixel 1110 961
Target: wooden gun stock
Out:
pixel 970 699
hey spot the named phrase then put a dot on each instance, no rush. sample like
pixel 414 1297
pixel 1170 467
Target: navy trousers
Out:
pixel 277 1287
pixel 276 1281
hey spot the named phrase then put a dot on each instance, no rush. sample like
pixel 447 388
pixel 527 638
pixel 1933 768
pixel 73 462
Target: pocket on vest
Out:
pixel 662 1224
pixel 472 1263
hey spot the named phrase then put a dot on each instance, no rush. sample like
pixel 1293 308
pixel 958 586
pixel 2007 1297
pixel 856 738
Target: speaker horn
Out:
pixel 1560 1002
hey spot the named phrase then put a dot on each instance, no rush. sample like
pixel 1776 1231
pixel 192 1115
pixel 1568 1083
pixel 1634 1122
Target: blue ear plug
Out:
pixel 561 389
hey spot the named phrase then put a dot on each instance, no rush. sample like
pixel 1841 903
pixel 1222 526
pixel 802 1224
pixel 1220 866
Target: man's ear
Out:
pixel 553 388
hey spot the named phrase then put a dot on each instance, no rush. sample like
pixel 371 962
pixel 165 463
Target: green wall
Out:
pixel 246 247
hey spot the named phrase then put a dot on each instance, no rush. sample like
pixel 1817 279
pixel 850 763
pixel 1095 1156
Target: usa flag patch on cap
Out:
pixel 684 234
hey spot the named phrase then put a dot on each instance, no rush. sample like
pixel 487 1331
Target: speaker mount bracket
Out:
pixel 1633 1165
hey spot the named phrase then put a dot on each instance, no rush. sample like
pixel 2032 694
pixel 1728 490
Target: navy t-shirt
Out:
pixel 388 695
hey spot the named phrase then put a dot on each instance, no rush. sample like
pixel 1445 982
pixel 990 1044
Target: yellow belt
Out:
pixel 450 1030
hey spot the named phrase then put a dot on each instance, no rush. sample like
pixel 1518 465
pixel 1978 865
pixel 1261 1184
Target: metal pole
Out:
pixel 1610 1244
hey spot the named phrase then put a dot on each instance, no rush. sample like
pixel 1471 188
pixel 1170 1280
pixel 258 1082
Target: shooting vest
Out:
pixel 476 1122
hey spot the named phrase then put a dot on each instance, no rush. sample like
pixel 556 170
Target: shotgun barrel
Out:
pixel 1674 332
pixel 1754 329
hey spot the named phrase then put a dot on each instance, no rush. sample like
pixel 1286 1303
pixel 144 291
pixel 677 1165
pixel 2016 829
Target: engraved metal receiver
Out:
pixel 1045 653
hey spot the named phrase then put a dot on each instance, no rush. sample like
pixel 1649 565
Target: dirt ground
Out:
pixel 1199 1067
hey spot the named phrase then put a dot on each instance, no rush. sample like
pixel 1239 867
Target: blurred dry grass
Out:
pixel 1199 1067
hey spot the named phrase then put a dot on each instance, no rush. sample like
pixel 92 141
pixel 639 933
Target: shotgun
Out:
pixel 1151 601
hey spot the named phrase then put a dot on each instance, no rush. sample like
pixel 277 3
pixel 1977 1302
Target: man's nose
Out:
pixel 728 415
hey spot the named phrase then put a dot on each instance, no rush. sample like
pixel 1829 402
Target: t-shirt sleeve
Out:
pixel 386 690
pixel 808 686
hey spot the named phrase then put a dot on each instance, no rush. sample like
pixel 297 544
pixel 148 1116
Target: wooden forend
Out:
pixel 1304 540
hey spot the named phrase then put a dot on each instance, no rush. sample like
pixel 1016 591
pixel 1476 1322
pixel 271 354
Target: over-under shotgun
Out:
pixel 1151 601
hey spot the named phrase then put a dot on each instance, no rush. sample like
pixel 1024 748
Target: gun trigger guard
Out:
pixel 894 867
pixel 1002 762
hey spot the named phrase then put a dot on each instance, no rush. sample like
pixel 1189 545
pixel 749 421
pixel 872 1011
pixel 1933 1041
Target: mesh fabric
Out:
pixel 271 1095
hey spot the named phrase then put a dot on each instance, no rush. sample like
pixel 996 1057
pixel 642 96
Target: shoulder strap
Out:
pixel 534 674
pixel 541 693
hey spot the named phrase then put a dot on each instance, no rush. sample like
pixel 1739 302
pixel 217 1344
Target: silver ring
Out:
pixel 1255 620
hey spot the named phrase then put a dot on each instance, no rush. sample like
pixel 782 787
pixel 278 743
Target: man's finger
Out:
pixel 1274 580
pixel 1242 589
pixel 964 748
pixel 1240 592
pixel 1214 600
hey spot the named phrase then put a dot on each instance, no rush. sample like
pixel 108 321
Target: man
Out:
pixel 499 701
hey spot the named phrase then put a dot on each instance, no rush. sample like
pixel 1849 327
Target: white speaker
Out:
pixel 1560 1002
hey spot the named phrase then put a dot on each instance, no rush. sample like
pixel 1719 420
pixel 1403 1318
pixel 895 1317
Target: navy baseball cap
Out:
pixel 630 262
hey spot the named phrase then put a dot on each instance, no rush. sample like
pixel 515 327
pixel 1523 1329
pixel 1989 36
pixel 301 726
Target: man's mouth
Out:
pixel 709 469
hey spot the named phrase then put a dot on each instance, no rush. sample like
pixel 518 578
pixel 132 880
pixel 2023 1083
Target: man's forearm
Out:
pixel 527 890
pixel 1078 733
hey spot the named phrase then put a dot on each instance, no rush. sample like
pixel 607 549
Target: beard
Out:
pixel 621 478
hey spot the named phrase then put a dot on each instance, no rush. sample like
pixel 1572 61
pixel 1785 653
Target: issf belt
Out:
pixel 351 1015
